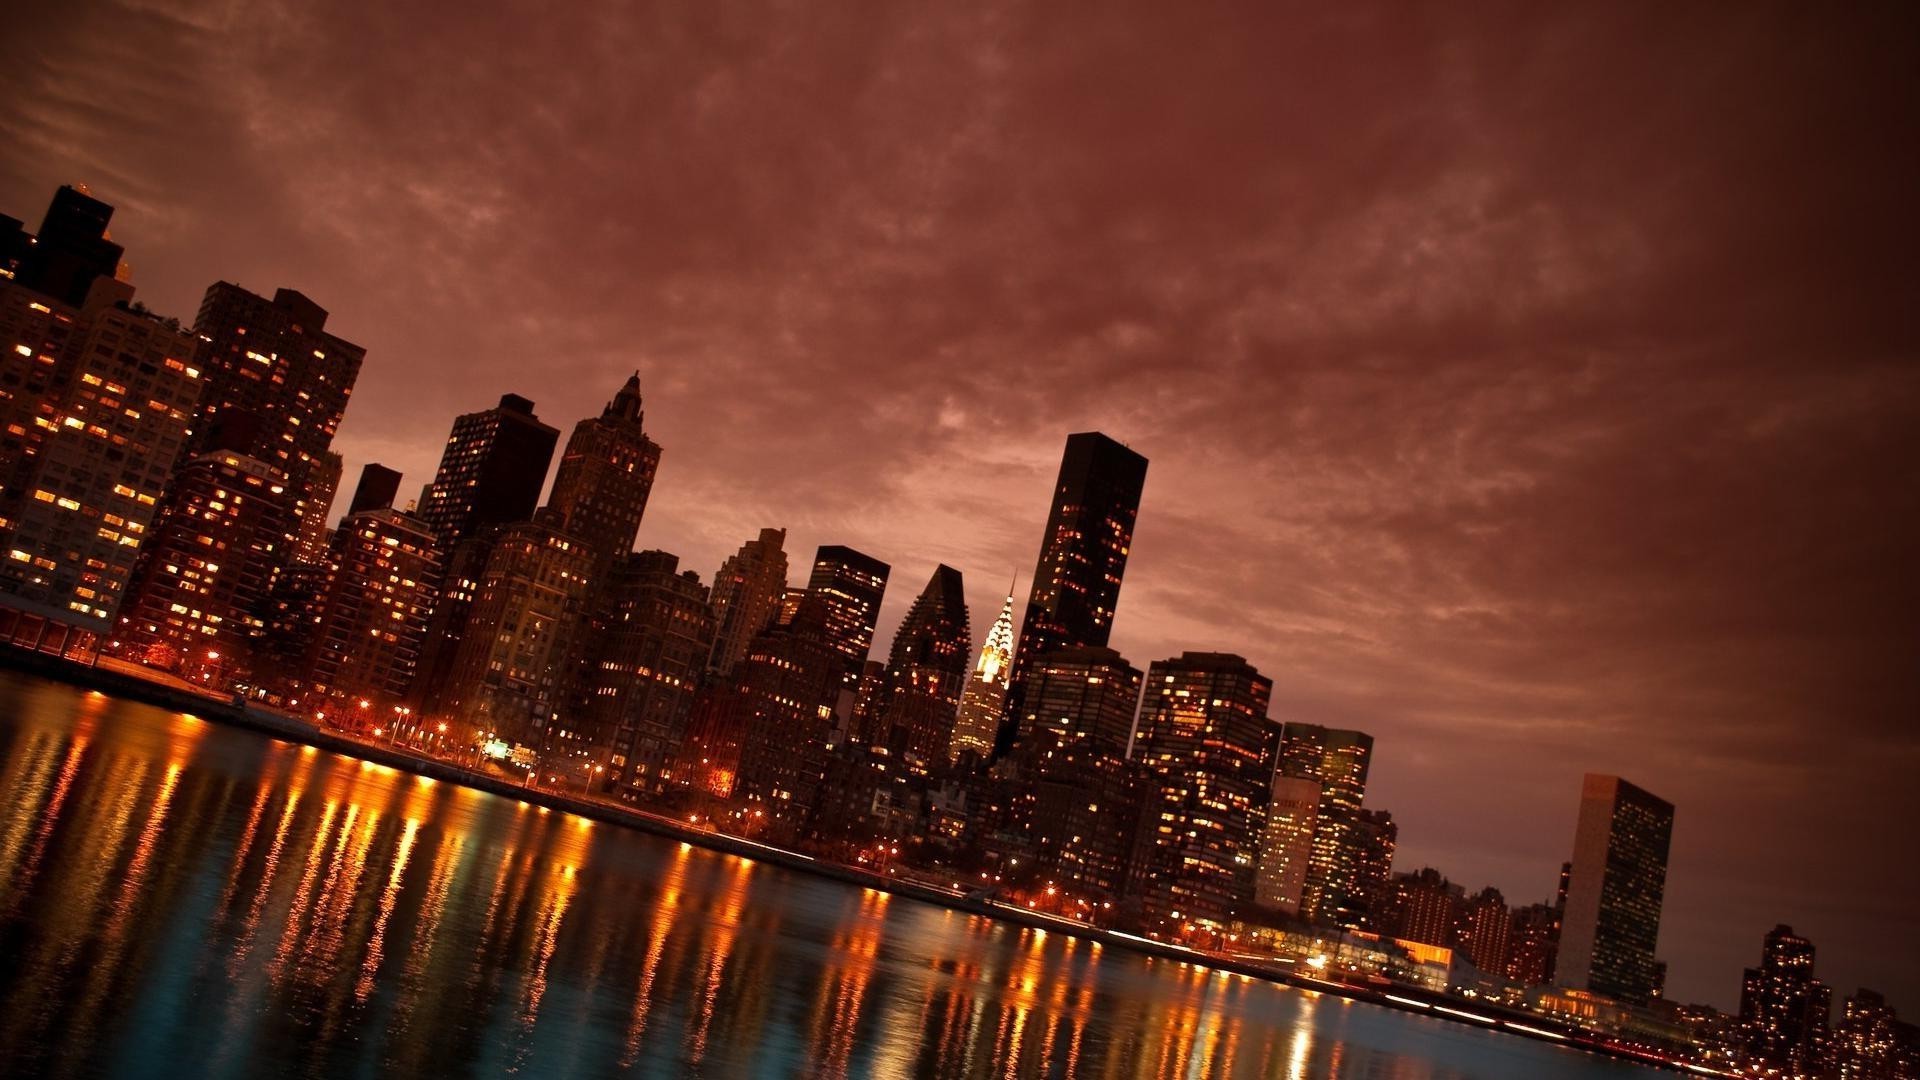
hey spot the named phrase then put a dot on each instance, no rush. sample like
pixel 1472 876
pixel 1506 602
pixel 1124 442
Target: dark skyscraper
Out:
pixel 925 672
pixel 606 474
pixel 491 471
pixel 376 490
pixel 1614 893
pixel 851 585
pixel 71 251
pixel 1081 795
pixel 1083 555
pixel 747 593
pixel 1784 1010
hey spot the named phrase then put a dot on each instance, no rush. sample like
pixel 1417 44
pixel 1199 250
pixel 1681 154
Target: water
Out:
pixel 179 898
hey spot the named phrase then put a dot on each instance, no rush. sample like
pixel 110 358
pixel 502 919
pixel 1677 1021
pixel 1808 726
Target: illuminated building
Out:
pixel 1867 1043
pixel 925 670
pixel 1207 747
pixel 511 664
pixel 1083 555
pixel 1533 936
pixel 1482 928
pixel 1783 1009
pixel 1614 892
pixel 1338 760
pixel 644 665
pixel 372 616
pixel 1079 802
pixel 274 360
pixel 1286 845
pixel 782 695
pixel 747 590
pixel 491 471
pixel 606 474
pixel 1423 906
pixel 194 603
pixel 1374 838
pixel 95 403
pixel 983 701
pixel 851 585
pixel 323 482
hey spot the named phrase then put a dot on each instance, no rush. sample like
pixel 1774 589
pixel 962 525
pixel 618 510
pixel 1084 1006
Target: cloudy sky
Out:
pixel 1537 391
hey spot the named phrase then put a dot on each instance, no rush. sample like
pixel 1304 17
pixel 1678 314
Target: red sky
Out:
pixel 1536 391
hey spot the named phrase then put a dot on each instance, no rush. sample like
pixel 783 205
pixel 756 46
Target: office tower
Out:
pixel 1286 846
pixel 95 402
pixel 376 490
pixel 323 482
pixel 71 254
pixel 851 584
pixel 1205 743
pixel 1482 930
pixel 643 668
pixel 983 701
pixel 512 663
pixel 1533 936
pixel 275 360
pixel 491 471
pixel 1080 800
pixel 194 604
pixel 1618 877
pixel 600 490
pixel 364 647
pixel 747 590
pixel 782 695
pixel 1083 554
pixel 925 670
pixel 1783 1009
pixel 1338 759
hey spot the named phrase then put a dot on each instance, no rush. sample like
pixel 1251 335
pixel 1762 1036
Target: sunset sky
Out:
pixel 1538 392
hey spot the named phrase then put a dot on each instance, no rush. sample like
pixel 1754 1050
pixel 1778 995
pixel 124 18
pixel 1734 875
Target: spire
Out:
pixel 626 403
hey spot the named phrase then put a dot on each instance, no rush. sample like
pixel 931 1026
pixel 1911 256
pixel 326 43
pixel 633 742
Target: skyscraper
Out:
pixel 1079 805
pixel 1614 893
pixel 491 471
pixel 747 590
pixel 1338 760
pixel 851 585
pixel 1205 743
pixel 71 253
pixel 781 697
pixel 323 482
pixel 1083 555
pixel 606 474
pixel 376 490
pixel 925 670
pixel 371 617
pixel 1286 845
pixel 1784 1010
pixel 983 701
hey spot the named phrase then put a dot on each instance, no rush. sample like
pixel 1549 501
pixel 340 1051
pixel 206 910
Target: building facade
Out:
pixel 747 591
pixel 1614 892
pixel 491 471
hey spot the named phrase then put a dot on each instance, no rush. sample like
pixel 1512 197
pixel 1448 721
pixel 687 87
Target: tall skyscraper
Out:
pixel 851 585
pixel 1614 893
pixel 1784 1010
pixel 605 476
pixel 1079 804
pixel 94 402
pixel 747 590
pixel 371 617
pixel 376 490
pixel 1083 555
pixel 1338 760
pixel 274 360
pixel 983 701
pixel 1204 740
pixel 781 699
pixel 1286 845
pixel 925 670
pixel 491 471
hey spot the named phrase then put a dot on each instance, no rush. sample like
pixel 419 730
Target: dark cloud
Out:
pixel 1535 389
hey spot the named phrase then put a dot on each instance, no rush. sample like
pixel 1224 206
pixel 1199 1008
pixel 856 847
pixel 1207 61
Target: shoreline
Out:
pixel 126 686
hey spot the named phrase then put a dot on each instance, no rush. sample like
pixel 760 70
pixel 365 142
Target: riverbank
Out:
pixel 172 696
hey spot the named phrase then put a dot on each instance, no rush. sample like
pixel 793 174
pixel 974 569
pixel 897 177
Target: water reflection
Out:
pixel 177 898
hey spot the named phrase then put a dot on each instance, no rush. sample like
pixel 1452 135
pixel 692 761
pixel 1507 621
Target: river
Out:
pixel 180 898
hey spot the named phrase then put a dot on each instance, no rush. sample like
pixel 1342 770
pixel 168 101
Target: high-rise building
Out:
pixel 1286 846
pixel 983 701
pixel 1375 837
pixel 925 670
pixel 1867 1043
pixel 1423 907
pixel 196 600
pixel 783 692
pixel 274 360
pixel 491 471
pixel 851 585
pixel 1784 1010
pixel 1083 555
pixel 323 482
pixel 643 668
pixel 1614 893
pixel 71 254
pixel 1533 936
pixel 1483 929
pixel 1338 760
pixel 747 590
pixel 376 490
pixel 94 401
pixel 371 618
pixel 606 474
pixel 1207 747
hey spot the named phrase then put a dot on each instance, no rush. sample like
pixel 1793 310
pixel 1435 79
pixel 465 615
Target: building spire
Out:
pixel 626 403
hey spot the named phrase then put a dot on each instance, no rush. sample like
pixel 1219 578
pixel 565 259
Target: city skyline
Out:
pixel 1648 614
